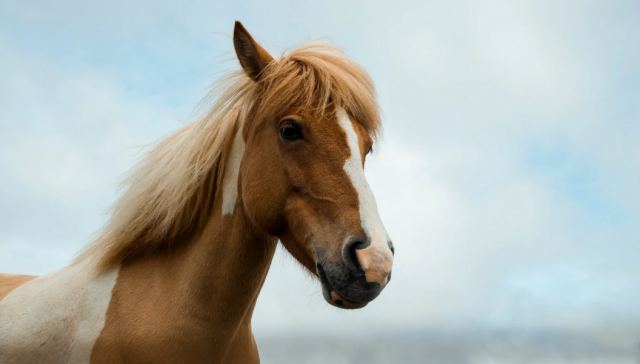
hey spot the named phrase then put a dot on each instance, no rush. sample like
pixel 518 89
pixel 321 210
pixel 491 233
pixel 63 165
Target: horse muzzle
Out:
pixel 359 278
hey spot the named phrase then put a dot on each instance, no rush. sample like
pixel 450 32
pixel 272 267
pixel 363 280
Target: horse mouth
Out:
pixel 332 296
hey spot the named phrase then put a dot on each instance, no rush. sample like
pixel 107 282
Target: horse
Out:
pixel 175 273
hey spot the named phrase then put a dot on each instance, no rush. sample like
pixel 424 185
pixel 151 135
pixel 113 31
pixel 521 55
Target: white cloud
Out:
pixel 67 139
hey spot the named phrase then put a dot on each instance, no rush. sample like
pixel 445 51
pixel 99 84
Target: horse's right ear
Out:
pixel 253 58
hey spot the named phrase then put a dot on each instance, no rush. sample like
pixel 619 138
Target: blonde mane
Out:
pixel 171 192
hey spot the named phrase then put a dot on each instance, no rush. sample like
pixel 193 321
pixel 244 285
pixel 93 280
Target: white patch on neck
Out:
pixel 371 222
pixel 55 318
pixel 232 170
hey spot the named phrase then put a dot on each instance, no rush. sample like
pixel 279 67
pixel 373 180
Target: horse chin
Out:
pixel 333 297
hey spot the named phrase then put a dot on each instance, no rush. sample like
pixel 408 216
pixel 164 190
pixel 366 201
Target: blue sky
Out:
pixel 508 172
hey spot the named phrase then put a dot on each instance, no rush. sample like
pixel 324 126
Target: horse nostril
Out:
pixel 349 252
pixel 390 244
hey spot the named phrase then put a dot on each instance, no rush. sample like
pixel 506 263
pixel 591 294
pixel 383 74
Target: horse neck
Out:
pixel 214 278
pixel 203 289
pixel 226 264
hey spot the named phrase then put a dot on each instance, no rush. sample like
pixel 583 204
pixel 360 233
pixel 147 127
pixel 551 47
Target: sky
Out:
pixel 507 173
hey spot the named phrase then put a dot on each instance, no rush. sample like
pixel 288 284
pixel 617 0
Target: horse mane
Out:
pixel 171 192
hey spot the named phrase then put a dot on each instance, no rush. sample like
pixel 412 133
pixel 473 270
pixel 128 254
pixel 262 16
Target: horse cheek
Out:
pixel 264 191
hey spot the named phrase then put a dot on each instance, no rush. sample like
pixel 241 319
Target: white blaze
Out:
pixel 55 318
pixel 230 181
pixel 371 222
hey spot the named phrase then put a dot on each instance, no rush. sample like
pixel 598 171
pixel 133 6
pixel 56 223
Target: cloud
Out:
pixel 67 138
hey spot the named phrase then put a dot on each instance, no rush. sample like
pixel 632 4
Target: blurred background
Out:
pixel 508 173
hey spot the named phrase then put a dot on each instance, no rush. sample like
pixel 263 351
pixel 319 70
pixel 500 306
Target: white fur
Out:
pixel 55 318
pixel 230 181
pixel 371 222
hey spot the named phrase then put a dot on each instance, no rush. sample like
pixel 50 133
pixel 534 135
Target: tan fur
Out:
pixel 10 282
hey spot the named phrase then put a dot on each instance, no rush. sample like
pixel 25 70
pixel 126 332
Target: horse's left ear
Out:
pixel 253 58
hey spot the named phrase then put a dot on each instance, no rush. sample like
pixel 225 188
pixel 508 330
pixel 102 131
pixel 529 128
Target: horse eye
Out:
pixel 291 130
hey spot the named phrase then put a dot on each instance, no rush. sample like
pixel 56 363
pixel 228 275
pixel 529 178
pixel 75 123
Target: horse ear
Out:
pixel 253 58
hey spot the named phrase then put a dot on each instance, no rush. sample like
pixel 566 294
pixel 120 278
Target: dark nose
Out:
pixel 349 253
pixel 364 258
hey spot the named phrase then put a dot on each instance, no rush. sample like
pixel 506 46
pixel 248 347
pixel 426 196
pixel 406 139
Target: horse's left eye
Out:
pixel 291 130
